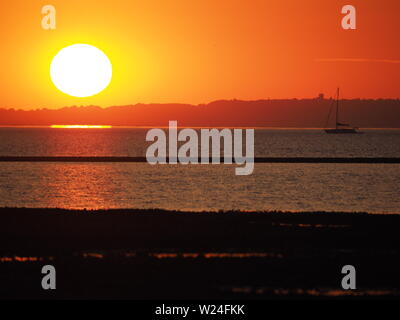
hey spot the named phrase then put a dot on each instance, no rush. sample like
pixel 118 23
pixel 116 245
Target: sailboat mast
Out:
pixel 337 108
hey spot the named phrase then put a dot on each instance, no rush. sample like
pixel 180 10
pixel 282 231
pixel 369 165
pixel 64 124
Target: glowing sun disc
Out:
pixel 81 70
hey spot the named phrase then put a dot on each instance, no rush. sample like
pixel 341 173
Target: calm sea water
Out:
pixel 131 142
pixel 295 187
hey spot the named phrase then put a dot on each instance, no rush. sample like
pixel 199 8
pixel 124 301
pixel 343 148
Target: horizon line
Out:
pixel 107 126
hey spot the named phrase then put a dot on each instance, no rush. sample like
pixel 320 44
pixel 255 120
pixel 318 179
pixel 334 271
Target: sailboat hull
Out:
pixel 341 131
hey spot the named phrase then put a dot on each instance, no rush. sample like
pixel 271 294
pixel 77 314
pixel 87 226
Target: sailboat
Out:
pixel 340 127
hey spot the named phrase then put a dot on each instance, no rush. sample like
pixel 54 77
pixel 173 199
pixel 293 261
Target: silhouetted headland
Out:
pixel 300 113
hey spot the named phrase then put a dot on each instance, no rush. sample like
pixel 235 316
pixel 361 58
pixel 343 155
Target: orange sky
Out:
pixel 199 51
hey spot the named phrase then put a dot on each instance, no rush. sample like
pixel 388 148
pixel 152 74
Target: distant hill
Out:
pixel 269 113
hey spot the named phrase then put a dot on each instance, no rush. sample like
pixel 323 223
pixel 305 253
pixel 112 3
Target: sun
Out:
pixel 81 70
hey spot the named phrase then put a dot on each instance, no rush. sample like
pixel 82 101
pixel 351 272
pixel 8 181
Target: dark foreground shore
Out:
pixel 155 254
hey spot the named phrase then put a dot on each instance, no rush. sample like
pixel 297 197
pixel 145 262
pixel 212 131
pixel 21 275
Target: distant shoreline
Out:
pixel 295 113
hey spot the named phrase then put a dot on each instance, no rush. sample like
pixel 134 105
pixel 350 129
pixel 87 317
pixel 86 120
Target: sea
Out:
pixel 298 187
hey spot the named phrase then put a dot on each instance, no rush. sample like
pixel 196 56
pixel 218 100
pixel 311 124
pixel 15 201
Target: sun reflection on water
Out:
pixel 79 126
